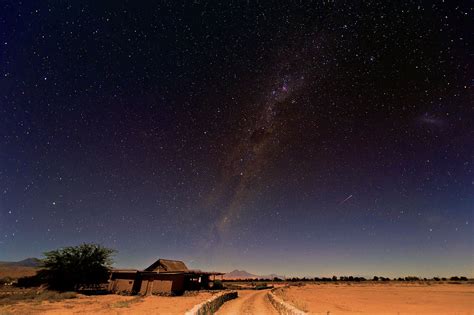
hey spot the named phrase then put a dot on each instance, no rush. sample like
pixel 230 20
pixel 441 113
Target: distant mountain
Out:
pixel 242 274
pixel 28 262
pixel 239 274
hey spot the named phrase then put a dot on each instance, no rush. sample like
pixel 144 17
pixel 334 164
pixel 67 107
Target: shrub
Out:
pixel 218 285
pixel 31 281
pixel 73 268
pixel 6 280
pixel 262 286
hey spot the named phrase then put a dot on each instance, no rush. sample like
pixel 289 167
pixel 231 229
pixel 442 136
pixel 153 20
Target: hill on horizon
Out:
pixel 28 262
pixel 242 274
pixel 17 269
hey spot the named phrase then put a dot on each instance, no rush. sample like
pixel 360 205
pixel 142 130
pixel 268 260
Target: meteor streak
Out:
pixel 349 197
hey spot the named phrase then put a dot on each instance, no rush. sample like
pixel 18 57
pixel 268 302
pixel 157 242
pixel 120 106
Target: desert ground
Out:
pixel 314 298
pixel 16 272
pixel 390 298
pixel 110 304
pixel 248 302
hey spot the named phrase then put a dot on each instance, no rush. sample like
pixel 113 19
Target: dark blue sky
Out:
pixel 303 139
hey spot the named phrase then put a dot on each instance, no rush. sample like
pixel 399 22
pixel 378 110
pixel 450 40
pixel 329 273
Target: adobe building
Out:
pixel 163 276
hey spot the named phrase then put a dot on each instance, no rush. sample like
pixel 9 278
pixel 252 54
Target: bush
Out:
pixel 31 281
pixel 6 280
pixel 262 286
pixel 73 268
pixel 218 285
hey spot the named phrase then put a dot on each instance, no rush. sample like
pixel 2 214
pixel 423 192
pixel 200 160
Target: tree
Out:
pixel 76 267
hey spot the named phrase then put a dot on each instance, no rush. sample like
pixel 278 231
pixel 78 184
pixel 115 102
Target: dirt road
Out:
pixel 248 302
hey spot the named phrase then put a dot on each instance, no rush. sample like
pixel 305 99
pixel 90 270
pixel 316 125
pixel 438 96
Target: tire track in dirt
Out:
pixel 248 302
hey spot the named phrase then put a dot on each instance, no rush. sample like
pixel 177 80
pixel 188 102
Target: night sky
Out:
pixel 304 138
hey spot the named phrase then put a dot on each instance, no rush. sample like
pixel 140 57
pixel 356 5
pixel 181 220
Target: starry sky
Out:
pixel 301 137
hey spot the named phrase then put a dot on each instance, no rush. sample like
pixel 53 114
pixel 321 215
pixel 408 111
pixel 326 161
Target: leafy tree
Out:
pixel 76 267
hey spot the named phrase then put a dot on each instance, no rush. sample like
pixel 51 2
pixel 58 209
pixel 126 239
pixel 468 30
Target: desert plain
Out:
pixel 381 298
pixel 371 298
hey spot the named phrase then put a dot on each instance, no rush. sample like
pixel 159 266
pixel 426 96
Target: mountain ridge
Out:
pixel 242 275
pixel 28 262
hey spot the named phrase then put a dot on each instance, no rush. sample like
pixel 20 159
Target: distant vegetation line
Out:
pixel 351 279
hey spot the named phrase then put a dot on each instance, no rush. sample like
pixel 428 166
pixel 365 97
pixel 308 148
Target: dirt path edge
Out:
pixel 282 307
pixel 212 305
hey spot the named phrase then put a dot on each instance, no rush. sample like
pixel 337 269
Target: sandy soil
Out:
pixel 382 298
pixel 248 302
pixel 17 271
pixel 110 304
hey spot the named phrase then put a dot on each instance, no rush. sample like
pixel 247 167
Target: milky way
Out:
pixel 305 138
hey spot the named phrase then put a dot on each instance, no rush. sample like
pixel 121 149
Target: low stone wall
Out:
pixel 212 305
pixel 282 307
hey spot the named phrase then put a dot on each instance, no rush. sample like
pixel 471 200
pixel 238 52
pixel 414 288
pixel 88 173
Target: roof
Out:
pixel 123 272
pixel 166 265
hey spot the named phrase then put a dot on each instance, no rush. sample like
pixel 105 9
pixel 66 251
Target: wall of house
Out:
pixel 162 283
pixel 151 283
pixel 162 286
pixel 122 282
pixel 178 283
pixel 145 287
pixel 121 285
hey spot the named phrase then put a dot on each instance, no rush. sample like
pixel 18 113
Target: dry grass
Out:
pixel 123 304
pixel 34 296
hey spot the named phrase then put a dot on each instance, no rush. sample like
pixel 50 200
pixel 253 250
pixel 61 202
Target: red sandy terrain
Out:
pixel 369 298
pixel 17 271
pixel 109 304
